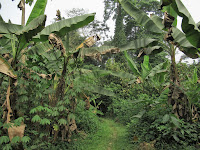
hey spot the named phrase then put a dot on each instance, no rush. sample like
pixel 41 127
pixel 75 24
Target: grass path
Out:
pixel 111 136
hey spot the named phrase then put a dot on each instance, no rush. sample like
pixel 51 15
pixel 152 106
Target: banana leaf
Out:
pixel 123 75
pixel 64 26
pixel 158 21
pixel 153 50
pixel 184 45
pixel 139 43
pixel 40 49
pixel 132 64
pixel 188 25
pixel 140 16
pixel 160 68
pixel 6 28
pixel 96 52
pixel 37 10
pixel 145 67
pixel 97 89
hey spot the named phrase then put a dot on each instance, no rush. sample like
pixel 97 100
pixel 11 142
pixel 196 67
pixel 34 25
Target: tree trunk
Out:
pixel 176 96
pixel 23 12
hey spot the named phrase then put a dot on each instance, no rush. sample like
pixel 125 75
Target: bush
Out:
pixel 170 133
pixel 86 120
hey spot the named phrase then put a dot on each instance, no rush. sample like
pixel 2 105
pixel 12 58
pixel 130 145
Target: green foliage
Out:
pixel 86 120
pixel 4 139
pixel 119 36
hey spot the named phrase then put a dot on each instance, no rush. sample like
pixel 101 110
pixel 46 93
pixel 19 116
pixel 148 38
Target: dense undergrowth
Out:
pixel 54 93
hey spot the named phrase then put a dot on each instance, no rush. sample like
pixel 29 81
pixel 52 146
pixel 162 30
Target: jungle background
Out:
pixel 64 88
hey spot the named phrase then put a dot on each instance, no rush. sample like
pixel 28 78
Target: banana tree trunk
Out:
pixel 176 96
pixel 23 12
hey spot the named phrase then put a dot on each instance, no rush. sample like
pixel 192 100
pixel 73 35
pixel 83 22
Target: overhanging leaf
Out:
pixel 186 47
pixel 140 16
pixel 140 114
pixel 6 28
pixel 153 50
pixel 123 75
pixel 189 27
pixel 33 28
pixel 64 26
pixel 139 43
pixel 97 89
pixel 6 68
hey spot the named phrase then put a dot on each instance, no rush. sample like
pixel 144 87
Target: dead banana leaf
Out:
pixel 56 41
pixel 16 131
pixel 6 68
pixel 96 52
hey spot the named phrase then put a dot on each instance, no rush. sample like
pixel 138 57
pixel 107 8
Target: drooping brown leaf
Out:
pixel 57 42
pixel 6 68
pixel 96 52
pixel 16 131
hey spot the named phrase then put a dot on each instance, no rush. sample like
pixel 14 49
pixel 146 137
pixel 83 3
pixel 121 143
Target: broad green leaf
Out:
pixel 140 16
pixel 27 32
pixel 32 29
pixel 139 43
pixel 97 89
pixel 37 10
pixel 165 118
pixel 6 28
pixel 144 72
pixel 64 26
pixel 146 62
pixel 162 67
pixel 158 21
pixel 140 114
pixel 145 67
pixel 195 76
pixel 176 137
pixel 186 47
pixel 131 64
pixel 41 49
pixel 6 68
pixel 153 50
pixel 123 75
pixel 189 27
pixel 175 121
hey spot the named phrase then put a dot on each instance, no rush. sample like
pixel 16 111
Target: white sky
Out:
pixel 10 11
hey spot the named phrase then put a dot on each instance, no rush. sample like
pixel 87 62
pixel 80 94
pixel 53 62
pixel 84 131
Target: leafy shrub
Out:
pixel 159 124
pixel 86 120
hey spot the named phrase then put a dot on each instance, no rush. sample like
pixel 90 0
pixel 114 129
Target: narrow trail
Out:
pixel 111 136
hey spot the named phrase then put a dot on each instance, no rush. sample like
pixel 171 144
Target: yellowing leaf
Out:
pixel 6 68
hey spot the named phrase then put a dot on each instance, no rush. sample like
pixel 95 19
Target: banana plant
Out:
pixel 17 40
pixel 189 27
pixel 173 39
pixel 147 73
